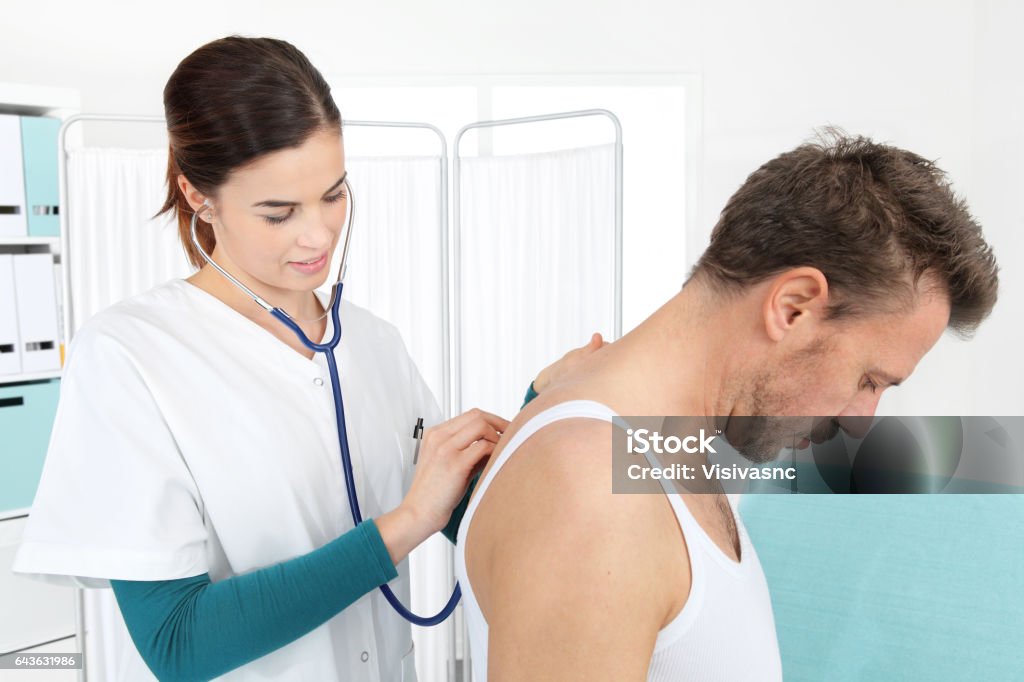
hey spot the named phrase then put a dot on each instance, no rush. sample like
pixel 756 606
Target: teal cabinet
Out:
pixel 26 418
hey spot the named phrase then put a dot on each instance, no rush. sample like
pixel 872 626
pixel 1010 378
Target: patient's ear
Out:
pixel 795 297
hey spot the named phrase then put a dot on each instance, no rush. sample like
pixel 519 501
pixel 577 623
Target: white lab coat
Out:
pixel 188 439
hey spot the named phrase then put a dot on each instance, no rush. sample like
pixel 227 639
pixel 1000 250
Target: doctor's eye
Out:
pixel 277 220
pixel 336 197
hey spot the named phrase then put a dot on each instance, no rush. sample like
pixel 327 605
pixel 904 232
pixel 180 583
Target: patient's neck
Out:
pixel 673 363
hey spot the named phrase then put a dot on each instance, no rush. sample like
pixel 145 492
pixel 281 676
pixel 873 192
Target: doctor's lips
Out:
pixel 310 267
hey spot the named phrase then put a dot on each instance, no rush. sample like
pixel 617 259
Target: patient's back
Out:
pixel 724 629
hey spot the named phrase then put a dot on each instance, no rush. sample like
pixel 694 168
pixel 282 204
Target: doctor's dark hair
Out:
pixel 230 102
pixel 872 218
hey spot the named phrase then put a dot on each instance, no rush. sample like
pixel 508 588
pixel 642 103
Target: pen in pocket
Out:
pixel 417 433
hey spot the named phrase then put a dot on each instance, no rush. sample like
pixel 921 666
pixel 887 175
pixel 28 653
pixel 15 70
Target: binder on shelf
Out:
pixel 12 180
pixel 37 312
pixel 42 192
pixel 10 341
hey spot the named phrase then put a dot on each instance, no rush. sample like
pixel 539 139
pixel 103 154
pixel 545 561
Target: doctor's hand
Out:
pixel 450 455
pixel 566 363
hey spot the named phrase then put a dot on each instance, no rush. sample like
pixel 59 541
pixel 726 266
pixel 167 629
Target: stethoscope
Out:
pixel 339 404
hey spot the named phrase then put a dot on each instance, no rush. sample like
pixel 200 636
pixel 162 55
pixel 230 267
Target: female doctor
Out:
pixel 194 465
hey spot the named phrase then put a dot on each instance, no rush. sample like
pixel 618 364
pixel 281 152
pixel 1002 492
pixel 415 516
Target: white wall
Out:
pixel 994 187
pixel 941 78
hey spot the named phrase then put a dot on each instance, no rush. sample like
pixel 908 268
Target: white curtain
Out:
pixel 116 250
pixel 394 269
pixel 394 266
pixel 537 263
pixel 537 267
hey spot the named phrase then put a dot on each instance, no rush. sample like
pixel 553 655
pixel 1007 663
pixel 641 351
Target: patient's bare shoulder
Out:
pixel 558 472
pixel 568 456
pixel 560 563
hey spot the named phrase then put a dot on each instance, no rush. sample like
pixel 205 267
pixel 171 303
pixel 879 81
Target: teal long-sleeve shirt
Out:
pixel 196 629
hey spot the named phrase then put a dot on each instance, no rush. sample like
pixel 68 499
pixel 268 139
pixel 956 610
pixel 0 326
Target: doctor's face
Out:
pixel 279 218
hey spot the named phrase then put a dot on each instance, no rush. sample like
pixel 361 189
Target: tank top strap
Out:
pixel 686 518
pixel 698 540
pixel 571 409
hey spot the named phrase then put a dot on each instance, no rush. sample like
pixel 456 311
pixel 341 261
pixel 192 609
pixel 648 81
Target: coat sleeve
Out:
pixel 116 498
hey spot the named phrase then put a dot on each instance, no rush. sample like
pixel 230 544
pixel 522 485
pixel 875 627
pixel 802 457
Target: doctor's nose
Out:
pixel 315 235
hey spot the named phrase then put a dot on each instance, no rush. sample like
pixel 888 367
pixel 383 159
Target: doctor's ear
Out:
pixel 197 201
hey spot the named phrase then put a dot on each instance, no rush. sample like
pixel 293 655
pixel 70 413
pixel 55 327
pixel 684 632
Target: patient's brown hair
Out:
pixel 873 218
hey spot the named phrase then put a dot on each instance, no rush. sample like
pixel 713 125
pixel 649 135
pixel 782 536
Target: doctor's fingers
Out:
pixel 472 432
pixel 451 443
pixel 475 456
pixel 455 424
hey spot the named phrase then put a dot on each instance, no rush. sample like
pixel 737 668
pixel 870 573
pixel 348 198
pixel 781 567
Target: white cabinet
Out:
pixel 34 616
pixel 34 612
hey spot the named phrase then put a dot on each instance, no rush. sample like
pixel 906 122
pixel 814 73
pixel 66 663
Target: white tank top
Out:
pixel 724 633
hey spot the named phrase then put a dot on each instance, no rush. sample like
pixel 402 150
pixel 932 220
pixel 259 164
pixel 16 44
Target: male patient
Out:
pixel 831 272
